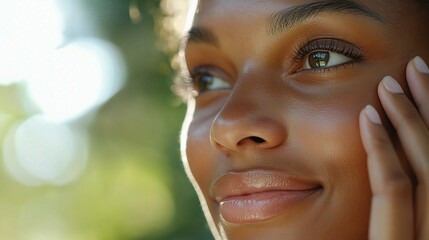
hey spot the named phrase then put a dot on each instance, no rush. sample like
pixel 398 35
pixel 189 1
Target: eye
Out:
pixel 326 53
pixel 206 79
pixel 324 59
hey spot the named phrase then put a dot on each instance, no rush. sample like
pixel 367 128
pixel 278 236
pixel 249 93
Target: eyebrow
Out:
pixel 290 17
pixel 287 18
pixel 202 35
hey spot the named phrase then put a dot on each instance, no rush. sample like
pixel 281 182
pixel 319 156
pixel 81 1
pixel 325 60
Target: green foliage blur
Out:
pixel 134 186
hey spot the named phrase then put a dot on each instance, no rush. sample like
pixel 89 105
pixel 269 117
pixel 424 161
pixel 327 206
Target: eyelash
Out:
pixel 327 44
pixel 298 55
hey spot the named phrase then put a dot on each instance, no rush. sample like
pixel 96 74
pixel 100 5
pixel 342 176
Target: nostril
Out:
pixel 251 140
pixel 257 139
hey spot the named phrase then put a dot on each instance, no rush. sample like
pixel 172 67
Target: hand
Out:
pixel 400 209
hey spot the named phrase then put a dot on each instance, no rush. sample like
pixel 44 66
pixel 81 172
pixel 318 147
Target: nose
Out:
pixel 248 120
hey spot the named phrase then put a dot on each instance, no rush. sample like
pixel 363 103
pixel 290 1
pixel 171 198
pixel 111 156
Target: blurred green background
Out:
pixel 123 178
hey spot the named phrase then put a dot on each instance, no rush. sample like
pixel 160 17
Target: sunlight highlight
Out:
pixel 75 79
pixel 27 30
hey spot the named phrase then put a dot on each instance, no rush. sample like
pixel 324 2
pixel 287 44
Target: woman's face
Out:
pixel 272 140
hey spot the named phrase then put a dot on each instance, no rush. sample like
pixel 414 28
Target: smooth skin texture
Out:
pixel 269 99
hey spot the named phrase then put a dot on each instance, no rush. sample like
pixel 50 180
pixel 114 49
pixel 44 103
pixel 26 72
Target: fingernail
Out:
pixel 392 85
pixel 373 114
pixel 421 65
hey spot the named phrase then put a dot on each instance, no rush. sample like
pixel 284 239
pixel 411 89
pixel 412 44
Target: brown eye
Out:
pixel 318 59
pixel 324 59
pixel 206 81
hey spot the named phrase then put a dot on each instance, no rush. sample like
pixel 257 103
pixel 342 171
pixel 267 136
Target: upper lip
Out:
pixel 235 184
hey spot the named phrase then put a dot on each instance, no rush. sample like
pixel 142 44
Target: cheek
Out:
pixel 201 158
pixel 327 131
pixel 331 144
pixel 332 137
pixel 329 123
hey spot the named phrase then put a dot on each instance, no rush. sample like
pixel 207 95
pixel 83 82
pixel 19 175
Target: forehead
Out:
pixel 209 10
pixel 237 18
pixel 241 19
pixel 231 25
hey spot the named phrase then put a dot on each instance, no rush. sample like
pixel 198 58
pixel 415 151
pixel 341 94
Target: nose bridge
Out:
pixel 250 116
pixel 252 90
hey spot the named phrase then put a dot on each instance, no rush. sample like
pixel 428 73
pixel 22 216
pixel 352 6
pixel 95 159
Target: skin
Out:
pixel 270 114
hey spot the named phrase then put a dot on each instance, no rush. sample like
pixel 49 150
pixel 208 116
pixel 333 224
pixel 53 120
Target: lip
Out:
pixel 253 196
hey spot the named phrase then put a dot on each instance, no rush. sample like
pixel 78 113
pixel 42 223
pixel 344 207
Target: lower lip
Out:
pixel 261 206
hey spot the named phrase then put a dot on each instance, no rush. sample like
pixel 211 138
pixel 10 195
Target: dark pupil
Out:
pixel 205 83
pixel 318 59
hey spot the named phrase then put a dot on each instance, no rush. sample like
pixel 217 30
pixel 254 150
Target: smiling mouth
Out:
pixel 261 206
pixel 261 195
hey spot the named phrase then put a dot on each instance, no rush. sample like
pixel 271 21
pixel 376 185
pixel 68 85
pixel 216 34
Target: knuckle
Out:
pixel 381 142
pixel 424 85
pixel 398 185
pixel 410 114
pixel 422 104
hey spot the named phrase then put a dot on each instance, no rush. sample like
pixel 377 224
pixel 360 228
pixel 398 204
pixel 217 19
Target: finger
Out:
pixel 412 130
pixel 418 81
pixel 414 137
pixel 392 202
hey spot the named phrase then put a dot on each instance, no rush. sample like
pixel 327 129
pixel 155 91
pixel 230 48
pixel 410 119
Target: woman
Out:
pixel 283 138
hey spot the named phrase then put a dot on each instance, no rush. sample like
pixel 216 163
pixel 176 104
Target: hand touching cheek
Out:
pixel 399 209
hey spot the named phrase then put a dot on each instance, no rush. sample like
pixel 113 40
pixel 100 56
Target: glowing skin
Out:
pixel 273 142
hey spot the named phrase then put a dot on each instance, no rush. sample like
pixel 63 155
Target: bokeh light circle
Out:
pixel 38 151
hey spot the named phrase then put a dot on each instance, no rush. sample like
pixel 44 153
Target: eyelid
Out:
pixel 303 49
pixel 207 70
pixel 328 44
pixel 204 69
